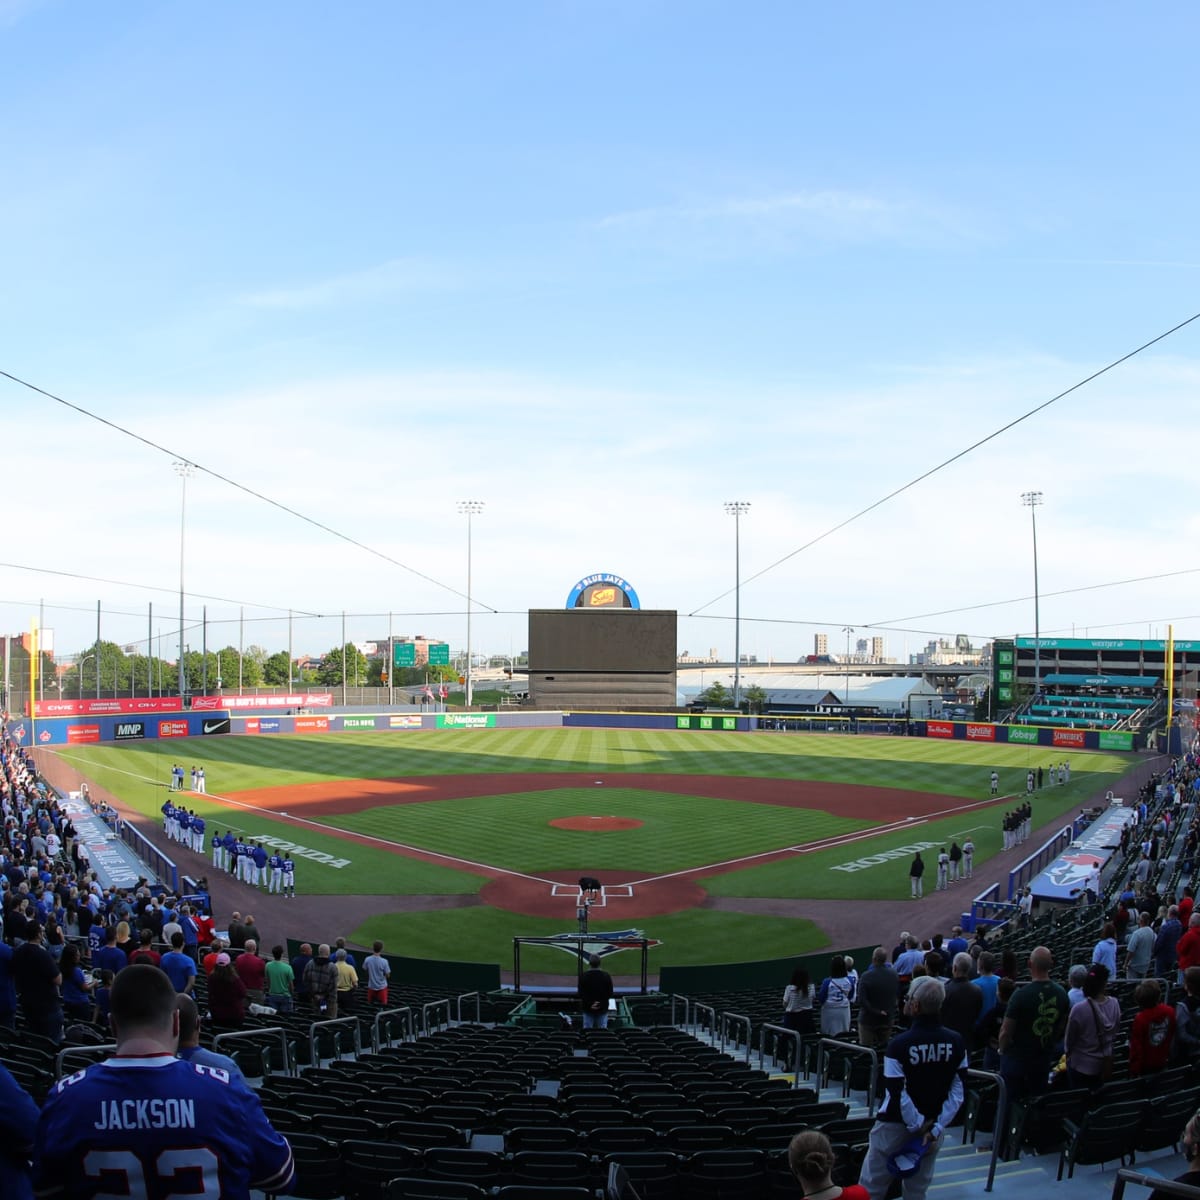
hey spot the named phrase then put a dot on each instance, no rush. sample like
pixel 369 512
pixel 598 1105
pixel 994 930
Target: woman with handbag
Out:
pixel 1091 1027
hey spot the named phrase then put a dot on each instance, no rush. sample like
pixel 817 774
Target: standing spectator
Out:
pixel 37 978
pixel 878 991
pixel 146 953
pixel 216 1133
pixel 1091 887
pixel 1168 937
pixel 987 981
pixel 179 968
pixel 1105 950
pixel 1139 949
pixel 18 1125
pixel 251 969
pixel 320 978
pixel 963 1003
pixel 76 991
pixel 1033 1024
pixel 1187 1018
pixel 226 993
pixel 915 871
pixel 347 981
pixel 987 1032
pixel 925 1073
pixel 835 996
pixel 1091 1028
pixel 798 996
pixel 299 967
pixel 1187 949
pixel 281 982
pixel 595 992
pixel 1152 1034
pixel 379 971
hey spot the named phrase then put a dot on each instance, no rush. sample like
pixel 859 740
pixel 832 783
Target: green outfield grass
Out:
pixel 678 831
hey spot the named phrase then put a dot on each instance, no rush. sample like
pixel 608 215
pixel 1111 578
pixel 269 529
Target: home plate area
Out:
pixel 598 897
pixel 557 894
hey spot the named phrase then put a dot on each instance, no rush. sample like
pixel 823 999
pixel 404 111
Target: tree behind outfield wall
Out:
pixel 754 698
pixel 329 674
pixel 716 696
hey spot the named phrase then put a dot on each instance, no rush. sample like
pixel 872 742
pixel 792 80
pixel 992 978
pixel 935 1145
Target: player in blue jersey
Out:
pixel 228 846
pixel 258 855
pixel 216 850
pixel 289 878
pixel 276 866
pixel 147 1125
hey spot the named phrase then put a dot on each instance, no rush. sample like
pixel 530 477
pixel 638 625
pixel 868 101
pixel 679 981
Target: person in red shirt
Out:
pixel 146 953
pixel 1186 905
pixel 252 971
pixel 210 959
pixel 1187 950
pixel 1153 1032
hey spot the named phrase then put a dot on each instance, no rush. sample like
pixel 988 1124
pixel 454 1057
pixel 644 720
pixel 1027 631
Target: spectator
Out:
pixel 190 1049
pixel 878 991
pixel 76 990
pixel 18 1124
pixel 810 1156
pixel 347 982
pixel 1105 950
pixel 281 982
pixel 178 967
pixel 1033 1026
pixel 595 993
pixel 320 980
pixel 226 993
pixel 1139 950
pixel 1187 1018
pixel 835 997
pixel 252 971
pixel 1091 1027
pixel 963 1003
pixel 379 971
pixel 37 978
pixel 1190 1140
pixel 1153 1032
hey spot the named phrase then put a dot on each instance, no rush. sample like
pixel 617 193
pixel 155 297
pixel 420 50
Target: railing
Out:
pixel 1168 1187
pixel 728 1021
pixel 150 854
pixel 337 1024
pixel 794 1034
pixel 478 1008
pixel 384 1020
pixel 88 1054
pixel 1001 1117
pixel 435 1005
pixel 687 1008
pixel 697 1009
pixel 268 1033
pixel 852 1049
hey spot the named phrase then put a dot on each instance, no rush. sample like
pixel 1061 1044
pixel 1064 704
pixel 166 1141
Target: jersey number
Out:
pixel 190 1172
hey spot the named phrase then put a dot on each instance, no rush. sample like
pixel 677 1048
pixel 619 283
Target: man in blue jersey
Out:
pixel 925 1075
pixel 289 878
pixel 198 825
pixel 145 1123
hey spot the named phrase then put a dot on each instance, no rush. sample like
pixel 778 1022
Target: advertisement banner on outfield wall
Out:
pixel 705 722
pixel 1023 733
pixel 1116 739
pixel 311 725
pixel 466 720
pixel 404 721
pixel 263 725
pixel 1070 739
pixel 980 733
pixel 113 707
pixel 939 729
pixel 359 723
pixel 82 733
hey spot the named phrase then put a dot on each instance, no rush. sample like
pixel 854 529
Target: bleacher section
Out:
pixel 1094 701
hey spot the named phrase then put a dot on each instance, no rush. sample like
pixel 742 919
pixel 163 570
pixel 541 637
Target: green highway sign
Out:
pixel 439 654
pixel 404 654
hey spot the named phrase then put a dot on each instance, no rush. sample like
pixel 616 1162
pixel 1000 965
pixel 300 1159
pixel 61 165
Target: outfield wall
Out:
pixel 84 730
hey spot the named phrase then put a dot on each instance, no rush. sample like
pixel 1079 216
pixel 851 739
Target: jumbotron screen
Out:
pixel 605 639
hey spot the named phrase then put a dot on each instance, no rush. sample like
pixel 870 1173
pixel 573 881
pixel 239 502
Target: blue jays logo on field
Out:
pixel 1071 870
pixel 618 940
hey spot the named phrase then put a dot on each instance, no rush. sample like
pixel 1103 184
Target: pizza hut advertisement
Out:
pixel 940 729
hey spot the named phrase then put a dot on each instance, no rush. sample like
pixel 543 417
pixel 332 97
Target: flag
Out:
pixel 428 692
pixel 445 692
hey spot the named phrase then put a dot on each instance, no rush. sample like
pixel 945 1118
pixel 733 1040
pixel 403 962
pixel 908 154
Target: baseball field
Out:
pixel 711 842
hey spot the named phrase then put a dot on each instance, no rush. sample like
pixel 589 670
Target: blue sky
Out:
pixel 604 267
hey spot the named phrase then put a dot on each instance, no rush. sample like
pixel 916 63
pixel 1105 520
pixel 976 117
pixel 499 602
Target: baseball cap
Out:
pixel 905 1161
pixel 222 959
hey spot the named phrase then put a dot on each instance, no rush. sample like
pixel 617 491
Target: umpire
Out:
pixel 925 1075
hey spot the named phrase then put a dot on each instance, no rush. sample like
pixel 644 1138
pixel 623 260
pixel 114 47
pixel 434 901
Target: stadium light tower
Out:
pixel 847 630
pixel 185 470
pixel 1031 500
pixel 737 509
pixel 472 508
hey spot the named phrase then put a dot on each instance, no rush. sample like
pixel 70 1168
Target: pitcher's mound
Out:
pixel 596 824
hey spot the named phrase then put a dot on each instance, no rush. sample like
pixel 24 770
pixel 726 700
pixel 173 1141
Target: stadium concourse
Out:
pixel 847 923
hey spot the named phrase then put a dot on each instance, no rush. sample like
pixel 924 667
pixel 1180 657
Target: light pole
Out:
pixel 847 630
pixel 472 508
pixel 736 509
pixel 79 670
pixel 1031 500
pixel 185 470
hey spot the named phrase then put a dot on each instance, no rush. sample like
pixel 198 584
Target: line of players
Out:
pixel 248 862
pixel 1017 825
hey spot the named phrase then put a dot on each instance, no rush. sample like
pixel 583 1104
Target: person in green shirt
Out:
pixel 281 982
